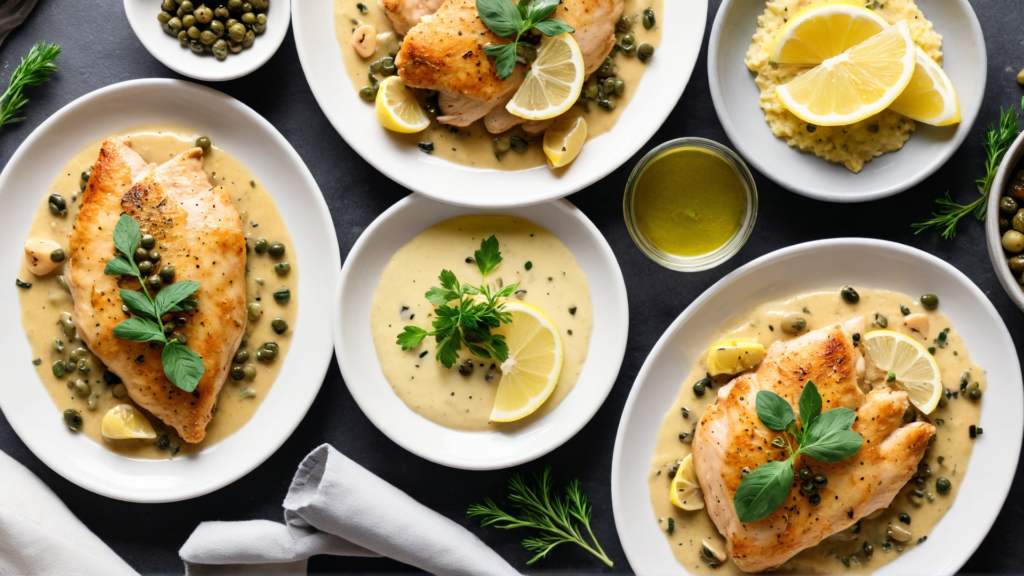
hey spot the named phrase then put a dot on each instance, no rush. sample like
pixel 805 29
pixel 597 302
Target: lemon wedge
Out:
pixel 554 81
pixel 686 492
pixel 914 367
pixel 397 108
pixel 534 361
pixel 733 356
pixel 824 31
pixel 564 140
pixel 124 422
pixel 856 84
pixel 930 97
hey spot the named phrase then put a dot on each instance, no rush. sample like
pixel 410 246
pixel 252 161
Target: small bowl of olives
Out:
pixel 1004 225
pixel 211 40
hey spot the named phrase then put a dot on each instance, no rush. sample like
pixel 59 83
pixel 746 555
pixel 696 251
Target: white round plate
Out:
pixel 233 126
pixel 357 356
pixel 857 262
pixel 668 72
pixel 166 48
pixel 736 100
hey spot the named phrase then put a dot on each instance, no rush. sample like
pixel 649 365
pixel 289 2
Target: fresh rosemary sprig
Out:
pixel 997 141
pixel 35 69
pixel 556 519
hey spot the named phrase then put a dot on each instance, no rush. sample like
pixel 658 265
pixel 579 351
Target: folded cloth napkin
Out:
pixel 39 535
pixel 335 506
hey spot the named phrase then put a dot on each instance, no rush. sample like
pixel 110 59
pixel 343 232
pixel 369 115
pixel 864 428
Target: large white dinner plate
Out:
pixel 736 100
pixel 244 134
pixel 663 82
pixel 857 262
pixel 357 357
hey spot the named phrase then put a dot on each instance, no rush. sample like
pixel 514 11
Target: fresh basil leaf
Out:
pixel 171 294
pixel 182 366
pixel 501 16
pixel 184 305
pixel 127 235
pixel 810 405
pixel 139 330
pixel 139 304
pixel 488 256
pixel 120 266
pixel 773 411
pixel 524 7
pixel 505 59
pixel 411 337
pixel 829 438
pixel 763 490
pixel 540 9
pixel 553 27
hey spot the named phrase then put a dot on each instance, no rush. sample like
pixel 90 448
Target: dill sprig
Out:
pixel 35 69
pixel 556 519
pixel 997 141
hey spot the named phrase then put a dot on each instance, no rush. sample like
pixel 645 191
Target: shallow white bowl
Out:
pixel 252 140
pixel 357 356
pixel 857 262
pixel 166 48
pixel 662 85
pixel 736 100
pixel 993 236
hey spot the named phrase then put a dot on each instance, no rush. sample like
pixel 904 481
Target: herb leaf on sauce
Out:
pixel 506 19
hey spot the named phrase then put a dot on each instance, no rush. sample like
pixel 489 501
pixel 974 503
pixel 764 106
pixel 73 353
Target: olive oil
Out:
pixel 689 201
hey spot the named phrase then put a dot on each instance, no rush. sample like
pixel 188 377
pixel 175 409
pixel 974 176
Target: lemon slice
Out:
pixel 930 97
pixel 914 368
pixel 856 84
pixel 124 422
pixel 554 82
pixel 733 356
pixel 686 492
pixel 397 108
pixel 534 361
pixel 824 31
pixel 564 140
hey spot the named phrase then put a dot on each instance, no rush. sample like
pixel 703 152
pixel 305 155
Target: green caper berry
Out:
pixel 59 369
pixel 806 474
pixel 261 245
pixel 168 5
pixel 850 295
pixel 807 488
pixel 1008 205
pixel 168 328
pixel 814 500
pixel 432 110
pixel 368 93
pixel 154 282
pixel 820 481
pixel 250 371
pixel 188 21
pixel 145 267
pixel 57 255
pixel 527 52
pixel 279 325
pixel 283 295
pixel 591 92
pixel 620 86
pixel 237 373
pixel 167 273
pixel 147 241
pixel 644 52
pixel 241 356
pixel 154 255
pixel 701 386
pixel 221 13
pixel 73 419
pixel 267 352
pixel 648 19
pixel 235 5
pixel 519 144
pixel 82 388
pixel 501 145
pixel 282 268
pixel 182 339
pixel 276 250
pixel 255 311
pixel 203 142
pixel 236 31
pixel 930 301
pixel 974 394
pixel 625 24
pixel 141 254
pixel 186 6
pixel 176 26
pixel 248 18
pixel 942 485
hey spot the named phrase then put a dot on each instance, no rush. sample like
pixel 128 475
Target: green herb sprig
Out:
pixel 469 321
pixel 556 520
pixel 997 141
pixel 182 366
pixel 35 69
pixel 826 437
pixel 510 20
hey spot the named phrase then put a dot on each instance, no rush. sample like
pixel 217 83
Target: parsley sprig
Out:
pixel 477 310
pixel 826 437
pixel 182 366
pixel 35 69
pixel 997 141
pixel 556 520
pixel 509 20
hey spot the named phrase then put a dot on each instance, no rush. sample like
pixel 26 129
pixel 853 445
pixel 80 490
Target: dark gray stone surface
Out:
pixel 100 49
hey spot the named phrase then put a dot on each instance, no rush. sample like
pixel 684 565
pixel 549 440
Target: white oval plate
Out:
pixel 357 356
pixel 736 100
pixel 252 140
pixel 166 48
pixel 857 262
pixel 655 97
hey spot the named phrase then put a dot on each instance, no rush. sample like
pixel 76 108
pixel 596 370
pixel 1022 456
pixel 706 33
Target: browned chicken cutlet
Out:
pixel 199 233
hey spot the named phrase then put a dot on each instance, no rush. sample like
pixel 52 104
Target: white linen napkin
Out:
pixel 335 506
pixel 39 535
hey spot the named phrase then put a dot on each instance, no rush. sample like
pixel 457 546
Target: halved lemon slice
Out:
pixel 397 109
pixel 856 84
pixel 124 422
pixel 530 373
pixel 824 31
pixel 930 97
pixel 554 81
pixel 914 368
pixel 564 140
pixel 733 356
pixel 686 492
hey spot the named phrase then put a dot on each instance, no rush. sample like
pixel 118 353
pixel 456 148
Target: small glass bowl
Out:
pixel 722 253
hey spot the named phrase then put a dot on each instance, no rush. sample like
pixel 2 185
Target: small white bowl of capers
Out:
pixel 1004 225
pixel 212 40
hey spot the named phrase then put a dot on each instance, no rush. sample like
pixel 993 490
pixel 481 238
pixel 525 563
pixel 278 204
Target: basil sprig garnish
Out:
pixel 826 437
pixel 508 20
pixel 182 366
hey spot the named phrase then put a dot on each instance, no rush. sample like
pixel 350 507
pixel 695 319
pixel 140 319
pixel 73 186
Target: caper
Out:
pixel 820 481
pixel 255 311
pixel 188 21
pixel 269 350
pixel 1016 263
pixel 77 354
pixel 235 5
pixel 814 500
pixel 606 68
pixel 701 386
pixel 57 255
pixel 930 301
pixel 276 250
pixel 221 13
pixel 620 86
pixel 168 5
pixel 942 485
pixel 850 295
pixel 236 31
pixel 466 368
pixel 154 255
pixel 793 323
pixel 250 372
pixel 368 93
pixel 282 268
pixel 203 15
pixel 1013 241
pixel 1008 205
pixel 608 85
pixel 432 109
pixel 501 145
pixel 644 52
pixel 649 19
pixel 974 394
pixel 248 18
pixel 145 267
pixel 867 550
pixel 591 92
pixel 154 281
pixel 625 24
pixel 93 401
pixel 168 328
pixel 526 52
pixel 806 474
pixel 1018 221
pixel 220 49
pixel 241 356
pixel 283 295
pixel 195 45
pixel 58 206
pixel 807 488
pixel 73 419
pixel 628 43
pixel 387 66
pixel 237 373
pixel 261 245
pixel 84 367
pixel 119 391
pixel 279 325
pixel 924 470
pixel 186 6
pixel 167 273
pixel 82 388
pixel 518 144
pixel 141 254
pixel 59 369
